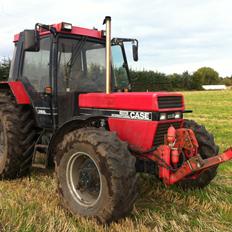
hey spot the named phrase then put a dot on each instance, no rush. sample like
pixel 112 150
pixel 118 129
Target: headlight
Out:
pixel 177 115
pixel 169 116
pixel 66 26
pixel 163 116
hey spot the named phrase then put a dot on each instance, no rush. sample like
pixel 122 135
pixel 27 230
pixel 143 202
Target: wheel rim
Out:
pixel 83 179
pixel 2 140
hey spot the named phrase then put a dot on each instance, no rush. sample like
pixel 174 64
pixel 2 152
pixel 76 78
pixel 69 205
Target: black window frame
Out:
pixel 125 63
pixel 50 36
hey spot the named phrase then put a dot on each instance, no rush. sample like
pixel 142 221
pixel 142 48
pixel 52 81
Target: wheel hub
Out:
pixel 88 177
pixel 83 178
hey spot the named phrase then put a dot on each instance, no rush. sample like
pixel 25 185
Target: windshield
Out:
pixel 81 66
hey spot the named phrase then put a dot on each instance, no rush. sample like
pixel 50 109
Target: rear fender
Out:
pixel 18 91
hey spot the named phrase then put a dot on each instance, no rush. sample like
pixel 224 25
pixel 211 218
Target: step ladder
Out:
pixel 40 156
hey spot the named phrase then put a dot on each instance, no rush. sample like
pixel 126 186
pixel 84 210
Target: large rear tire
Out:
pixel 17 136
pixel 207 149
pixel 96 175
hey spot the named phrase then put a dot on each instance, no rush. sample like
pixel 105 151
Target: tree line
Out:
pixel 4 69
pixel 156 81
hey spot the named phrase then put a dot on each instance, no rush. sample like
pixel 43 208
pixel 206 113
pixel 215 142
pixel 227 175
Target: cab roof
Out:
pixel 94 33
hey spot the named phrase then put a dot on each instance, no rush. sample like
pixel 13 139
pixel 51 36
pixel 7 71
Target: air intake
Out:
pixel 170 102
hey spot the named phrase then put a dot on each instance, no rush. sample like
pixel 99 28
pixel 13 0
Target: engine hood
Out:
pixel 140 101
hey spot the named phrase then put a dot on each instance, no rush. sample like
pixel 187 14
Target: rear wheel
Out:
pixel 207 149
pixel 96 174
pixel 17 136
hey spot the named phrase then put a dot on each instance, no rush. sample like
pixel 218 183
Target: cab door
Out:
pixel 35 76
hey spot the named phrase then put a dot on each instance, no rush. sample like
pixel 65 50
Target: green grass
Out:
pixel 31 204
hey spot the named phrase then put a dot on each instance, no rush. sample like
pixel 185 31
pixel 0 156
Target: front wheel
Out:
pixel 96 174
pixel 207 149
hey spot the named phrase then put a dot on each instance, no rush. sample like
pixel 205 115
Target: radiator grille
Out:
pixel 169 102
pixel 162 130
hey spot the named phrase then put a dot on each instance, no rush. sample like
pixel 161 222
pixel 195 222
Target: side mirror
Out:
pixel 135 50
pixel 31 41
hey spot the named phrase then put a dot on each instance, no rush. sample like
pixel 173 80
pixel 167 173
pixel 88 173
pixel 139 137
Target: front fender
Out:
pixel 75 123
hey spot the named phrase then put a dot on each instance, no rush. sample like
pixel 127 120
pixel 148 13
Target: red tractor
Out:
pixel 69 97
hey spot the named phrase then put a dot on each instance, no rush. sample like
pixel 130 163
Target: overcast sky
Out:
pixel 174 35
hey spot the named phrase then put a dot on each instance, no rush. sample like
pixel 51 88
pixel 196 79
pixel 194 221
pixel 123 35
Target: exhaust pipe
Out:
pixel 107 21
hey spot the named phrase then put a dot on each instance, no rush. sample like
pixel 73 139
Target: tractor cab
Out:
pixel 56 63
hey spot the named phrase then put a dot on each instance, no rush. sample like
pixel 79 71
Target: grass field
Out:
pixel 31 204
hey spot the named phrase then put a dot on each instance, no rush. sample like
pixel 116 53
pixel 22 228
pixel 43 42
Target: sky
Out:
pixel 174 35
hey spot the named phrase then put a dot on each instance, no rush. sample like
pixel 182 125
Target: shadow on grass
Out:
pixel 156 203
pixel 38 172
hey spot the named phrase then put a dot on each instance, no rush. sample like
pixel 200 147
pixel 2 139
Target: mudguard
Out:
pixel 18 90
pixel 73 124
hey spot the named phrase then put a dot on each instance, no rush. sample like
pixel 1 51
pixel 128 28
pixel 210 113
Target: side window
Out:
pixel 36 67
pixel 12 63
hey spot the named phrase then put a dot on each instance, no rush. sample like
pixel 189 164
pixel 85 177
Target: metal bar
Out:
pixel 196 164
pixel 107 21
